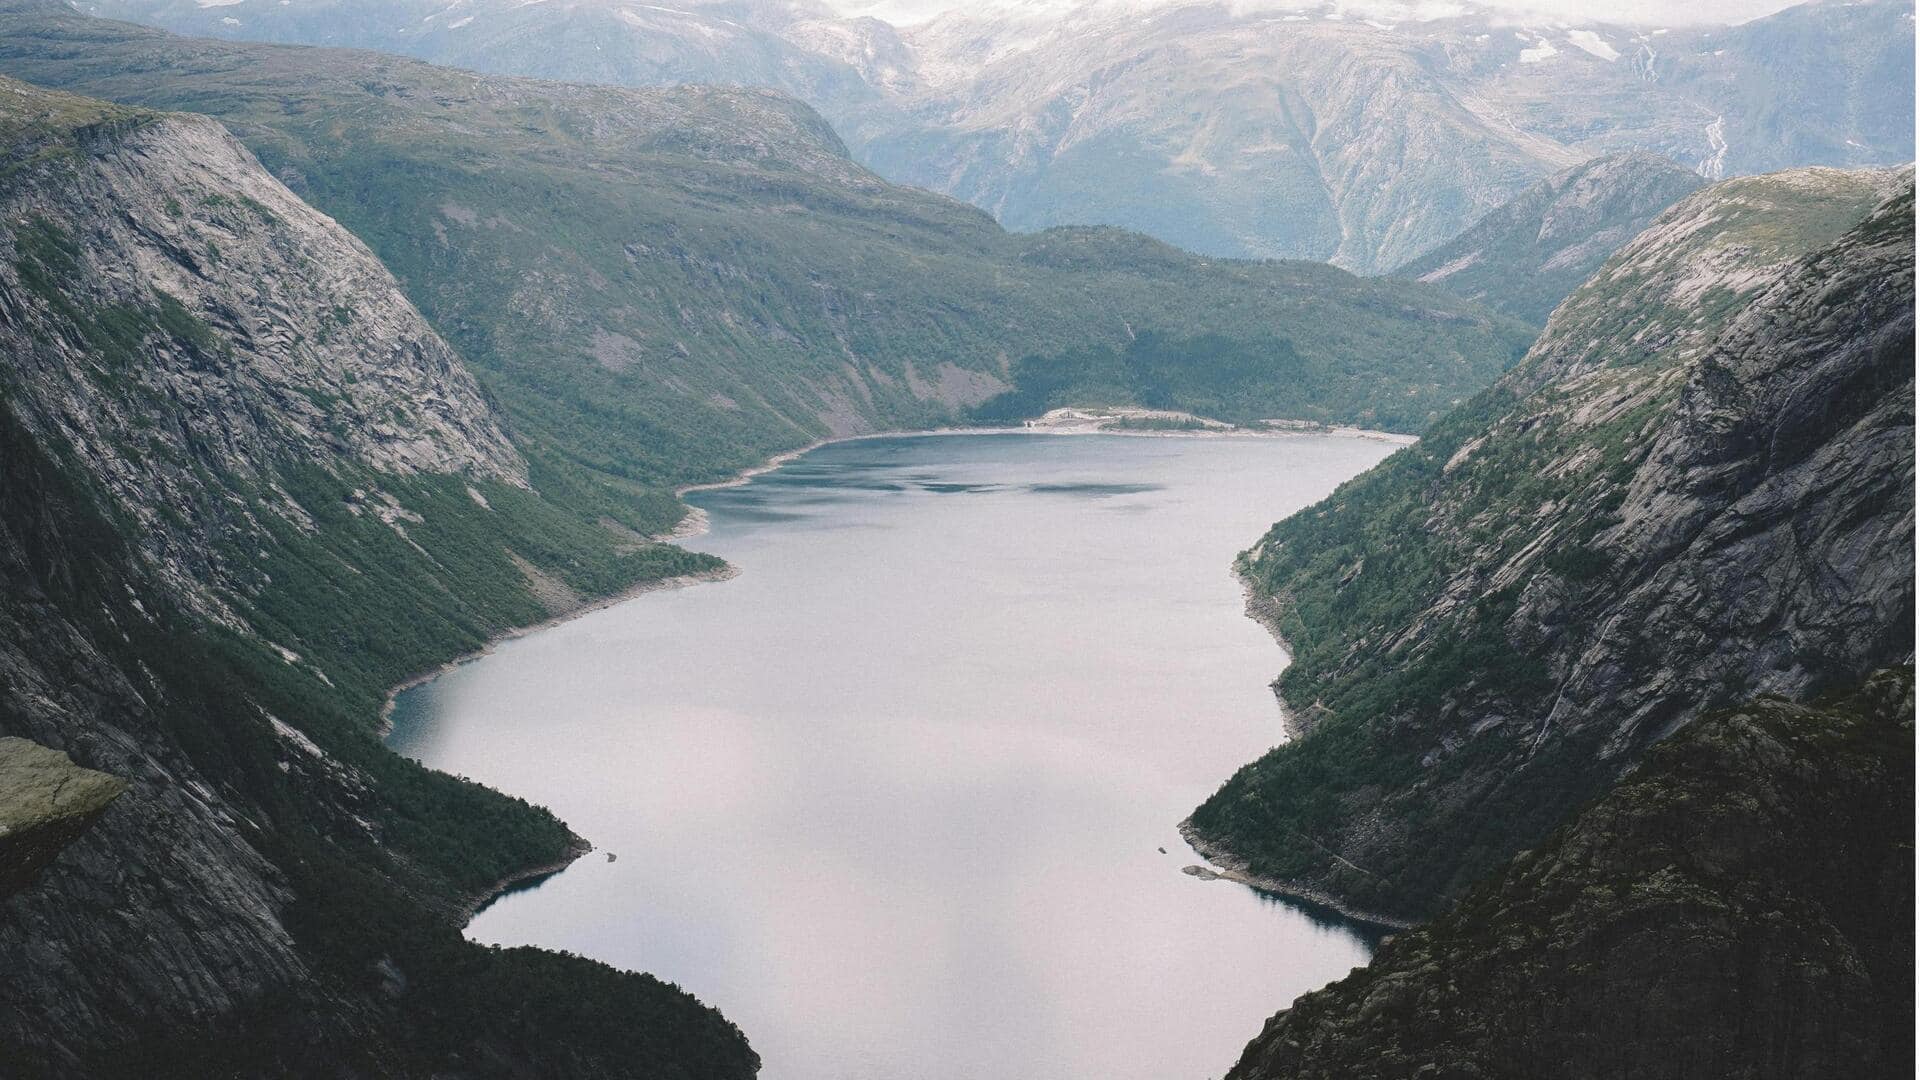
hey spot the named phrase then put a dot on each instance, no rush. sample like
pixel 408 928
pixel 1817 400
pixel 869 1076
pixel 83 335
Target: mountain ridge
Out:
pixel 1251 133
pixel 1526 256
pixel 661 316
pixel 1471 622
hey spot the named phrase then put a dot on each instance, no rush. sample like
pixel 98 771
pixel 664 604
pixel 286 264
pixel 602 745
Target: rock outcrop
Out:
pixel 1696 488
pixel 1740 905
pixel 186 326
pixel 1525 257
pixel 46 803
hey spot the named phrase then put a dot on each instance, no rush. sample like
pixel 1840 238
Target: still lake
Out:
pixel 893 798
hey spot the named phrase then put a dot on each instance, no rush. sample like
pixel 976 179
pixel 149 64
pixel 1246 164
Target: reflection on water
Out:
pixel 894 798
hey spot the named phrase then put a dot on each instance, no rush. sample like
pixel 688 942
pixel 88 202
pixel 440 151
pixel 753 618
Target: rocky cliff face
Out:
pixel 188 327
pixel 1323 131
pixel 246 487
pixel 1696 488
pixel 1525 257
pixel 1739 906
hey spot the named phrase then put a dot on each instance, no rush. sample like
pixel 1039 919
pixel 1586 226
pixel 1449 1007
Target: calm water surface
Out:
pixel 891 800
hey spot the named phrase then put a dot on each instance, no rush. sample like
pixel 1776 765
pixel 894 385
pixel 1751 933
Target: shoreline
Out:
pixel 1226 865
pixel 1056 422
pixel 587 607
pixel 1230 867
pixel 1265 611
pixel 475 903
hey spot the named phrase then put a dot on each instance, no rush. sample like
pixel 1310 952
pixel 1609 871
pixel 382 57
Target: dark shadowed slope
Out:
pixel 1741 905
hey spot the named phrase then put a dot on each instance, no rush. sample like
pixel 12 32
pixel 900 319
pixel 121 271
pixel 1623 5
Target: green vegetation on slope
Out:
pixel 1524 257
pixel 407 601
pixel 1489 625
pixel 373 866
pixel 185 493
pixel 1239 381
pixel 1740 905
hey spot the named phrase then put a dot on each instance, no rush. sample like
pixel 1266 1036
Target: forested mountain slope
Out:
pixel 1525 257
pixel 1741 905
pixel 1696 488
pixel 246 488
pixel 668 285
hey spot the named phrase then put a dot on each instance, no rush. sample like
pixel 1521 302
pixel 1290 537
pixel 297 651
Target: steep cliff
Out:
pixel 1525 257
pixel 1740 905
pixel 1696 488
pixel 246 487
pixel 264 405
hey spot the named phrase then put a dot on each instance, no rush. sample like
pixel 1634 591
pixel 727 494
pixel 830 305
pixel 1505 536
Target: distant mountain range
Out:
pixel 1233 130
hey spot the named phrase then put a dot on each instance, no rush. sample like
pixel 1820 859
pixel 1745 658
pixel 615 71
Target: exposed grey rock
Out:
pixel 182 345
pixel 1696 488
pixel 291 345
pixel 1525 257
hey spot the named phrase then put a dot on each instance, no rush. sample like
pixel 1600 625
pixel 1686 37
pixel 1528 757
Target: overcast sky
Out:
pixel 1663 12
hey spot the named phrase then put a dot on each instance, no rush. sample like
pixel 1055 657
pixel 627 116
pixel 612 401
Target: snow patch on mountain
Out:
pixel 1588 41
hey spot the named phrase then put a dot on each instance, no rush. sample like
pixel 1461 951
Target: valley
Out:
pixel 417 480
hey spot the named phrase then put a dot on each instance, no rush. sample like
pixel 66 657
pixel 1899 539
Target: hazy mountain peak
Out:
pixel 1365 132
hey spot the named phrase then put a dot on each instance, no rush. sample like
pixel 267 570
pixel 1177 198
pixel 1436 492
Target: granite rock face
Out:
pixel 1525 257
pixel 1740 905
pixel 1695 489
pixel 231 332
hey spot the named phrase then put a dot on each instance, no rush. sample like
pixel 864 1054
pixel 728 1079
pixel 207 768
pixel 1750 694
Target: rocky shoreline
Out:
pixel 1230 867
pixel 1265 610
